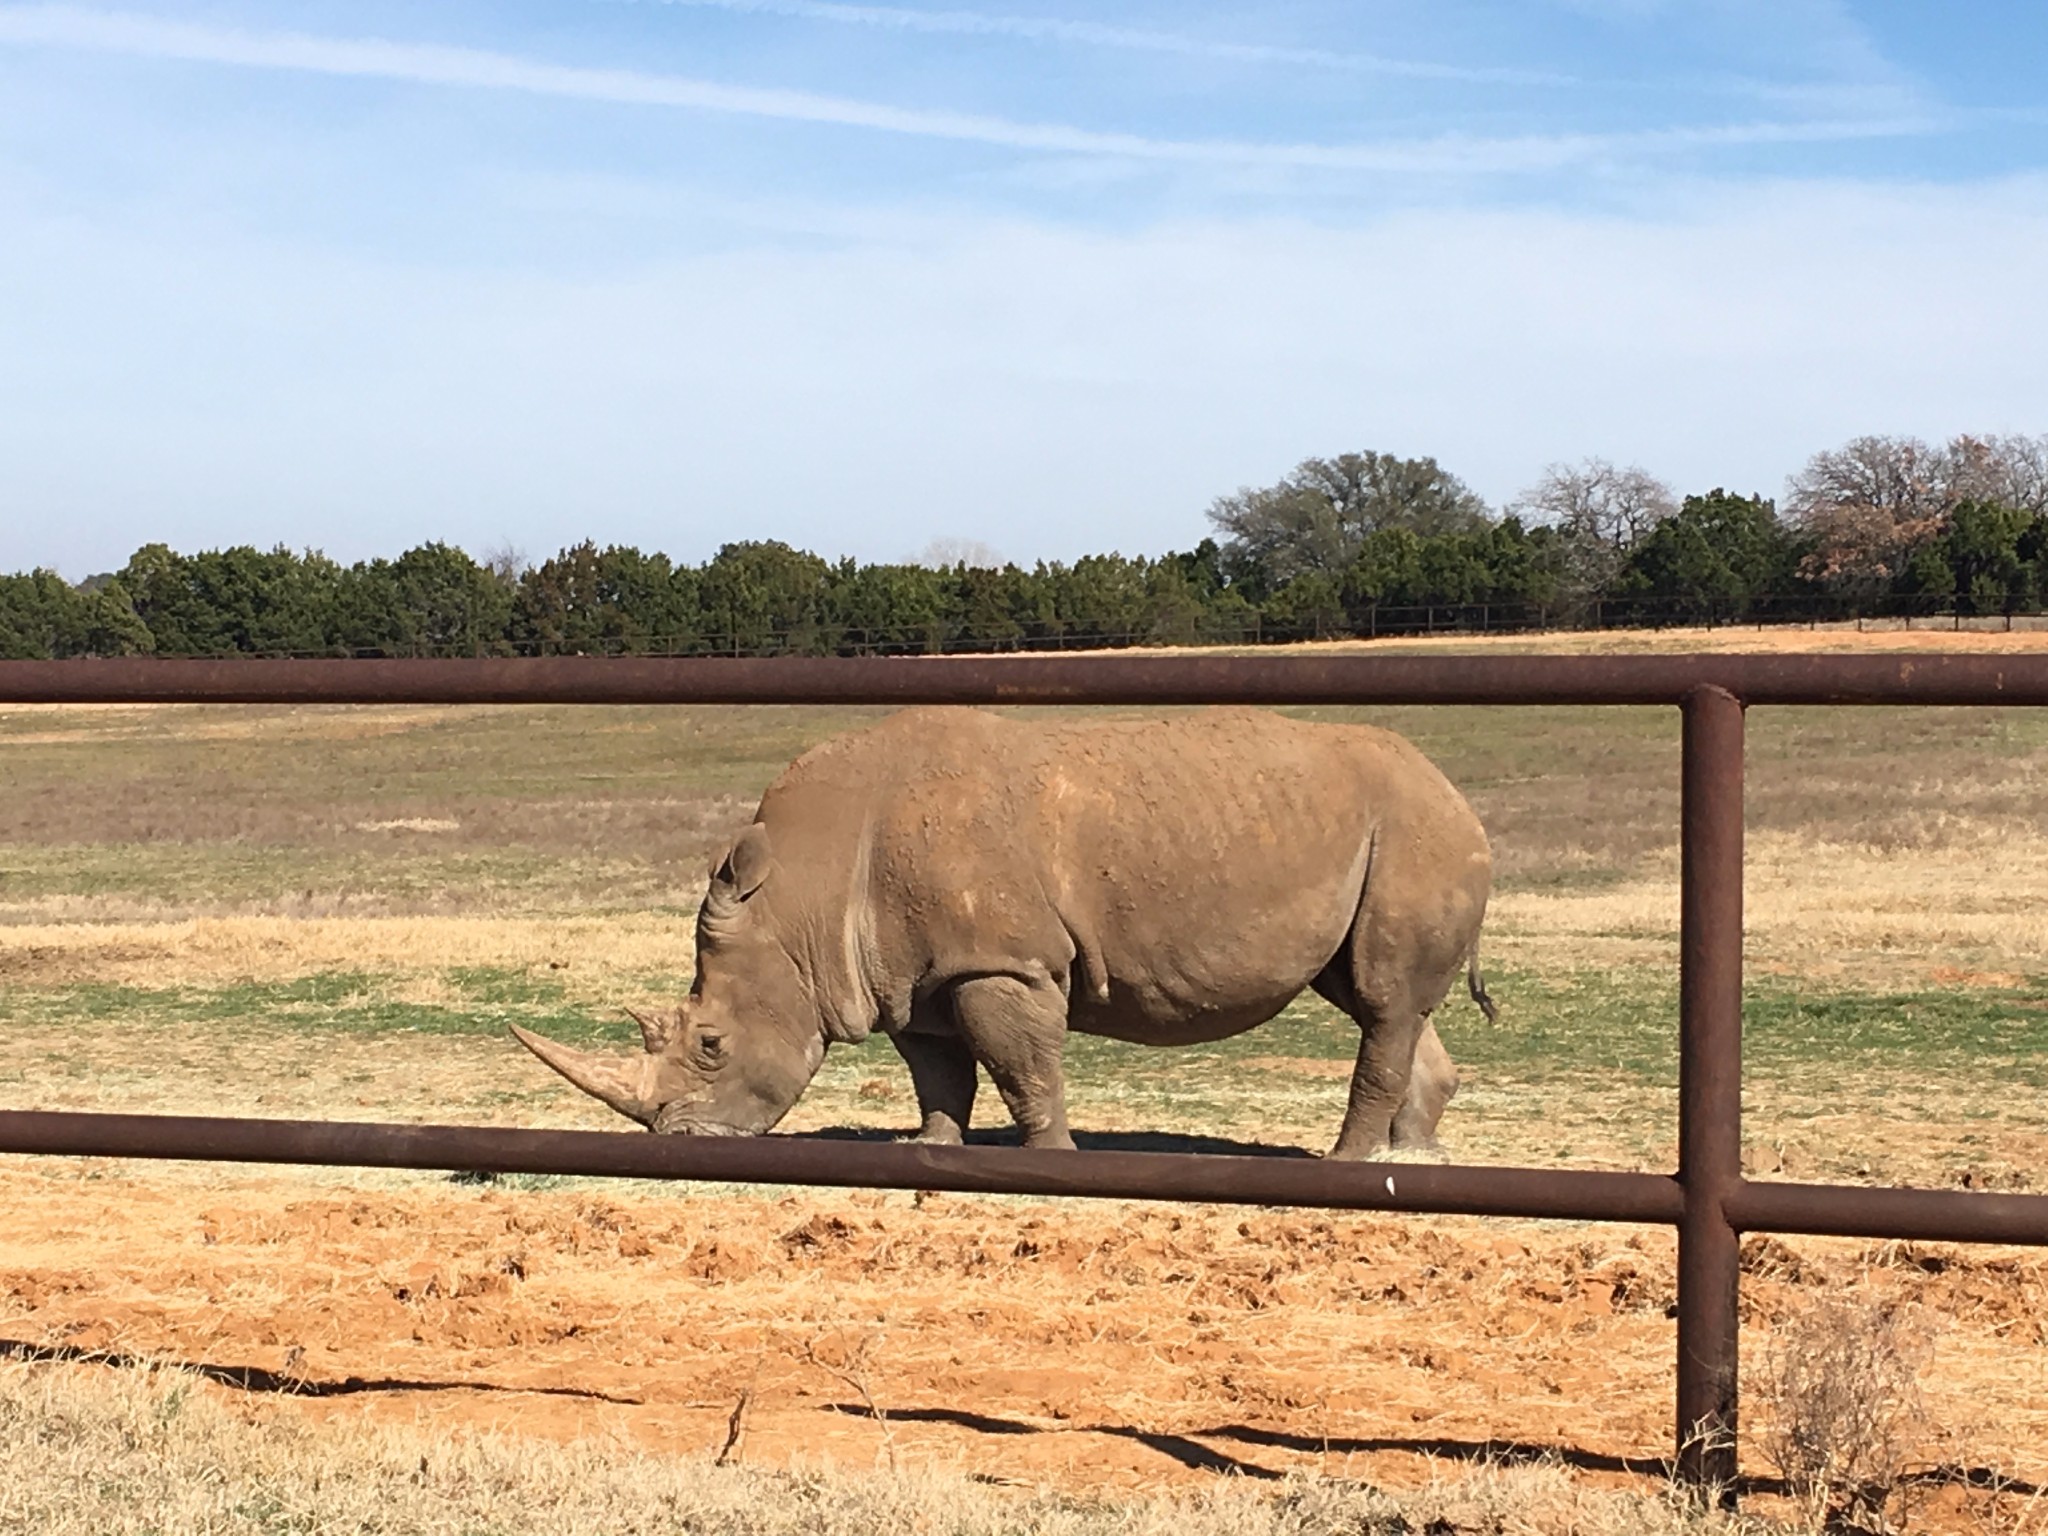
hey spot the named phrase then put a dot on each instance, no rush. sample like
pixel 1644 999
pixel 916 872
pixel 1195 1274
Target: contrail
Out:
pixel 433 64
pixel 1097 34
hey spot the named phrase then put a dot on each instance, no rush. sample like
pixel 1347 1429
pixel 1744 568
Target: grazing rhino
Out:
pixel 977 885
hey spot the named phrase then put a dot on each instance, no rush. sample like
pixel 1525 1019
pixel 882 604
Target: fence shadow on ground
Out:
pixel 255 1378
pixel 1190 1450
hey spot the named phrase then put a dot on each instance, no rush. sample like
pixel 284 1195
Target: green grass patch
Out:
pixel 291 878
pixel 1619 1021
pixel 333 1001
pixel 1584 1033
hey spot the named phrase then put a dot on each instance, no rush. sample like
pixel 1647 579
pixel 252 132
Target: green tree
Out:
pixel 1719 551
pixel 238 600
pixel 1099 597
pixel 1202 566
pixel 431 601
pixel 1387 571
pixel 987 606
pixel 1928 573
pixel 112 626
pixel 654 599
pixel 42 617
pixel 762 597
pixel 1173 608
pixel 2033 549
pixel 587 601
pixel 1523 564
pixel 447 604
pixel 1229 618
pixel 1981 559
pixel 1310 606
pixel 886 608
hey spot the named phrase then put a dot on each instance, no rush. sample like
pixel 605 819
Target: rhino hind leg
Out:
pixel 942 1072
pixel 1016 1029
pixel 1387 1043
pixel 1431 1085
pixel 1404 1076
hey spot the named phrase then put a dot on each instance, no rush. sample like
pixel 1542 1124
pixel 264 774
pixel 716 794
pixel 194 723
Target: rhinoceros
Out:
pixel 976 885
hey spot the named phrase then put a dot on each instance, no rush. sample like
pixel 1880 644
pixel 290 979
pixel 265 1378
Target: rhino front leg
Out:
pixel 942 1072
pixel 1016 1029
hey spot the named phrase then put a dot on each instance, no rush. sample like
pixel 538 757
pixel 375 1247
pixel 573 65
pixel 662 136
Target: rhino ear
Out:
pixel 657 1030
pixel 747 865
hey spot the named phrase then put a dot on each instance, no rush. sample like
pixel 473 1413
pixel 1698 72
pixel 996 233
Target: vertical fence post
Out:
pixel 1709 1087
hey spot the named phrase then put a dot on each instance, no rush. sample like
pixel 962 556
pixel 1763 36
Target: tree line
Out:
pixel 1363 543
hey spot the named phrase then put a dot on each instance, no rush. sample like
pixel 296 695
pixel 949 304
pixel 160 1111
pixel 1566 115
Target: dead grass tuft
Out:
pixel 213 951
pixel 2028 633
pixel 1847 1414
pixel 1978 894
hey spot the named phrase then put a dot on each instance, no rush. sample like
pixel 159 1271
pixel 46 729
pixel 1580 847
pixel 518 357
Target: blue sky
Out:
pixel 1049 277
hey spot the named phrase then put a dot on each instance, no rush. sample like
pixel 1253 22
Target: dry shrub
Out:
pixel 1844 1385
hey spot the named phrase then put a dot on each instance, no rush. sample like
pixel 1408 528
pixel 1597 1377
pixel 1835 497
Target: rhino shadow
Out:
pixel 1087 1141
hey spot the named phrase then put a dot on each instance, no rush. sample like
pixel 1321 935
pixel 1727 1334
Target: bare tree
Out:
pixel 506 561
pixel 1869 504
pixel 1602 509
pixel 944 554
pixel 2010 469
pixel 1317 517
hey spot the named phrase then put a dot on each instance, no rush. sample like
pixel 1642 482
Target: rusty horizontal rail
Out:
pixel 1221 1180
pixel 1914 1215
pixel 1931 1215
pixel 1092 679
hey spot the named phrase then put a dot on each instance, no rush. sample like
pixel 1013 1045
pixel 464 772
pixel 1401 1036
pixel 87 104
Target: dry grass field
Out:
pixel 335 913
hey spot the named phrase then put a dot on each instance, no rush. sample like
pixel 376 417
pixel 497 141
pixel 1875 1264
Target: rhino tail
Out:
pixel 1475 983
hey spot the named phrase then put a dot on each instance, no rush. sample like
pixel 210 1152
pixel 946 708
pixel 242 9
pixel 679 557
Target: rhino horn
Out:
pixel 617 1083
pixel 657 1029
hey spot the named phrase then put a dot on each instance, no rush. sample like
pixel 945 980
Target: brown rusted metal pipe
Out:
pixel 1933 1215
pixel 1709 1086
pixel 1920 1215
pixel 1232 1180
pixel 1360 678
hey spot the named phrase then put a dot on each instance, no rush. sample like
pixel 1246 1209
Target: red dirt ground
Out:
pixel 1119 1346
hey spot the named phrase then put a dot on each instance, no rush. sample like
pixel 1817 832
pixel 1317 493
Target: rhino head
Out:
pixel 741 1048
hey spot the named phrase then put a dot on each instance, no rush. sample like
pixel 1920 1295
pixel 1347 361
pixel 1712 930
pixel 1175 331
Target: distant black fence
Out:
pixel 1376 621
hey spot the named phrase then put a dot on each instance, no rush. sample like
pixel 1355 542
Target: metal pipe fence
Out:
pixel 1707 1199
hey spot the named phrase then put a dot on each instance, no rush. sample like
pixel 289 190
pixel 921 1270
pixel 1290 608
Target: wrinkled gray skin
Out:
pixel 977 885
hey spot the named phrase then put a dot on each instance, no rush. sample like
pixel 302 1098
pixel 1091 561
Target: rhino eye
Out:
pixel 713 1045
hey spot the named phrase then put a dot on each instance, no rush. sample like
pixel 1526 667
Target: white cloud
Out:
pixel 470 68
pixel 1049 391
pixel 1096 34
